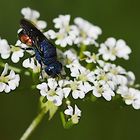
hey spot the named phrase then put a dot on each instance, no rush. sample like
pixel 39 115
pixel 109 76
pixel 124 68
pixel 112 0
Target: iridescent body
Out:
pixel 45 52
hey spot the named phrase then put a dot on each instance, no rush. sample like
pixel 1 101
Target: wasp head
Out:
pixel 24 38
pixel 54 69
pixel 30 30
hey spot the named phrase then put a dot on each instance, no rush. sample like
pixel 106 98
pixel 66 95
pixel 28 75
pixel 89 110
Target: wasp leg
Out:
pixel 60 76
pixel 27 49
pixel 41 74
pixel 31 57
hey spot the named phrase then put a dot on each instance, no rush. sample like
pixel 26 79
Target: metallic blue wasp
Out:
pixel 45 52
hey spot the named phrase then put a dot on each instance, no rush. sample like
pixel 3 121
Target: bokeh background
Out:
pixel 101 120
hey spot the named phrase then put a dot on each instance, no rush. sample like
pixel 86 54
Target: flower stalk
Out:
pixel 17 70
pixel 63 119
pixel 33 125
pixel 82 49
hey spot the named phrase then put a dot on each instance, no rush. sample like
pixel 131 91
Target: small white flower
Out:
pixel 74 67
pixel 8 82
pixel 101 88
pixel 88 32
pixel 107 80
pixel 70 56
pixel 41 24
pixel 62 21
pixel 117 74
pixel 74 113
pixel 17 53
pixel 101 76
pixel 73 64
pixel 4 49
pixel 53 91
pixel 113 48
pixel 62 87
pixel 29 13
pixel 43 87
pixel 130 77
pixel 77 89
pixel 67 33
pixel 33 15
pixel 85 87
pixel 63 38
pixel 50 34
pixel 32 63
pixel 80 72
pixel 130 96
pixel 91 58
pixel 81 86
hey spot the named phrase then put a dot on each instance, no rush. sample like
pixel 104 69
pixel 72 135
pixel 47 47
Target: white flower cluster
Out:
pixel 91 73
pixel 82 32
pixel 105 80
pixel 102 79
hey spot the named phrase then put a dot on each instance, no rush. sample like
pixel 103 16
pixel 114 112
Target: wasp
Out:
pixel 45 51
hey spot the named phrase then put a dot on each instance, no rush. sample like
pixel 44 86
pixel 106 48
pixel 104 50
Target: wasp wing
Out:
pixel 35 34
pixel 44 48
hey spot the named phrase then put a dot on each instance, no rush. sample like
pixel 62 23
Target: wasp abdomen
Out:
pixel 47 47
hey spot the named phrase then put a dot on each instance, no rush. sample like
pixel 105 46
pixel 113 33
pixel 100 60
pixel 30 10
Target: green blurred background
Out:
pixel 101 120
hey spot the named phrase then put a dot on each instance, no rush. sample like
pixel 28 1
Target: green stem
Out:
pixel 33 125
pixel 17 70
pixel 63 119
pixel 89 66
pixel 82 49
pixel 11 67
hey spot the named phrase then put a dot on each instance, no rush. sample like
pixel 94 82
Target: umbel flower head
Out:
pixel 88 66
pixel 113 48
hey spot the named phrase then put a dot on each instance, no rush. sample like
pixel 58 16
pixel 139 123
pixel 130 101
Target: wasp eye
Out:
pixel 49 70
